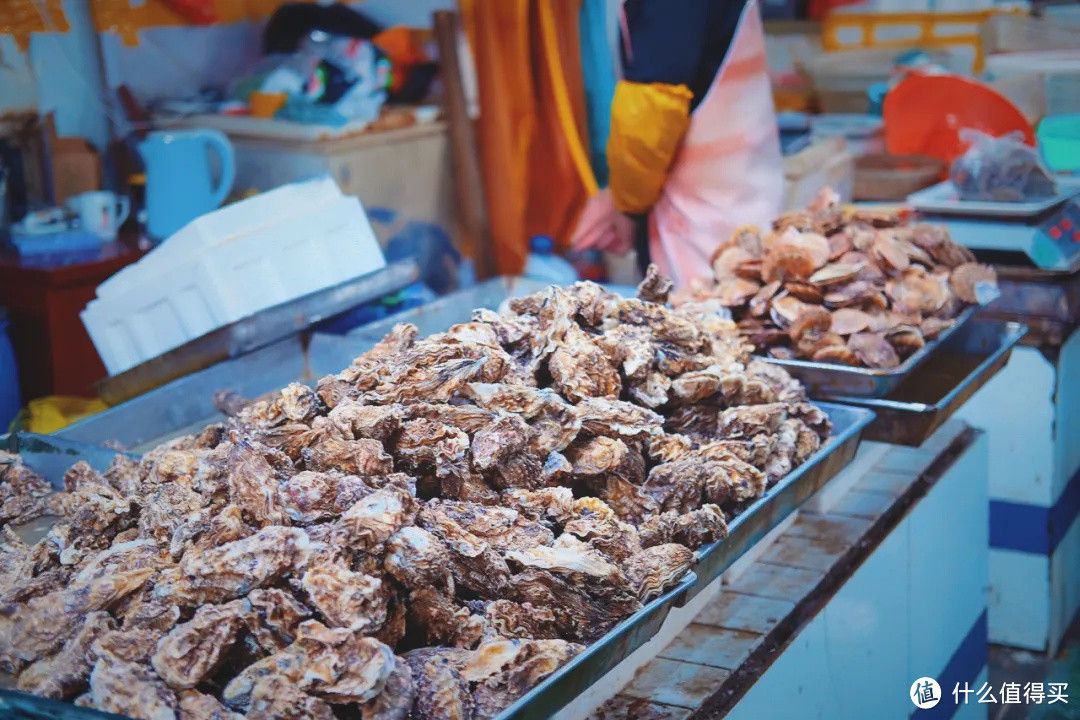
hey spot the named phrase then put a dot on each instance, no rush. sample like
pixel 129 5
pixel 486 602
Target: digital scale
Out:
pixel 1044 234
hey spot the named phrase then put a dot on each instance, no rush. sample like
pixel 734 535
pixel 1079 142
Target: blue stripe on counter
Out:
pixel 963 667
pixel 1031 528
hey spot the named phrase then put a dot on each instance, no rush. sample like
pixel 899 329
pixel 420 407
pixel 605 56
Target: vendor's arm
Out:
pixel 651 109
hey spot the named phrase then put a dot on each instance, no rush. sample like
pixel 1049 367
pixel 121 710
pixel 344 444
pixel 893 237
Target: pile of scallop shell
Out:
pixel 859 289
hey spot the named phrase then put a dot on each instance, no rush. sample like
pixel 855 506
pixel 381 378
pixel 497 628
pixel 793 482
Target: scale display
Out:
pixel 1049 237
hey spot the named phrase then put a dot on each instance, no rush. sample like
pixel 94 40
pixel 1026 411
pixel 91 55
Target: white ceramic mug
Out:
pixel 101 212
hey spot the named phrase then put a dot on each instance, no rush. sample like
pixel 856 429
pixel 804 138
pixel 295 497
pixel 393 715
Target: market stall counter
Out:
pixel 751 419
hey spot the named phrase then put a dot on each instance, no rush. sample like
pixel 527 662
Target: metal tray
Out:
pixel 16 705
pixel 263 328
pixel 932 394
pixel 828 379
pixel 50 456
pixel 744 531
pixel 541 702
pixel 779 501
pixel 603 655
pixel 186 405
pixel 578 675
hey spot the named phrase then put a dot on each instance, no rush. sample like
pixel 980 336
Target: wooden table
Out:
pixel 44 298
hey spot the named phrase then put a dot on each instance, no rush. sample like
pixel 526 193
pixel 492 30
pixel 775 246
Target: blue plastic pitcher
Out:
pixel 179 186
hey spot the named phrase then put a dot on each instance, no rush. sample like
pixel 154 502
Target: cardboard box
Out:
pixel 74 164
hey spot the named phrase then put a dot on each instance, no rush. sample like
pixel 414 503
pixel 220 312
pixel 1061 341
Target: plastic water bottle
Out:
pixel 544 265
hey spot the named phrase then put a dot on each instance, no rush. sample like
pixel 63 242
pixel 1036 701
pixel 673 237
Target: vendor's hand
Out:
pixel 602 227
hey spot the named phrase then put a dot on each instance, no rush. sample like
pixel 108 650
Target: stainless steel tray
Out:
pixel 779 501
pixel 185 405
pixel 541 702
pixel 253 332
pixel 50 456
pixel 578 675
pixel 21 706
pixel 744 531
pixel 929 396
pixel 827 379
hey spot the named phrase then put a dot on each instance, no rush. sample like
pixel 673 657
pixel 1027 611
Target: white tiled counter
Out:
pixel 1031 414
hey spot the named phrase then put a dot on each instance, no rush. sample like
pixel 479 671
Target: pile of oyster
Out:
pixel 864 289
pixel 428 534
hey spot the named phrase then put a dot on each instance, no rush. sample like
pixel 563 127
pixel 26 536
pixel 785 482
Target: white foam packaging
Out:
pixel 228 265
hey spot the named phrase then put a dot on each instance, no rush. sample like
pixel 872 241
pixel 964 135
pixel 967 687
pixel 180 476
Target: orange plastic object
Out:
pixel 266 105
pixel 924 114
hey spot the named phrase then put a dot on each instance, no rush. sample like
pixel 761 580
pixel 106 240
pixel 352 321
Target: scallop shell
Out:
pixel 906 340
pixel 839 354
pixel 735 291
pixel 848 321
pixel 765 337
pixel 885 321
pixel 815 320
pixel 967 277
pixel 862 238
pixel 759 304
pixel 782 353
pixel 750 239
pixel 835 273
pixel 874 350
pixel 787 262
pixel 916 253
pixel 917 292
pixel 805 291
pixel 853 293
pixel 932 327
pixel 854 257
pixel 786 309
pixel 889 255
pixel 810 343
pixel 839 243
pixel 750 270
pixel 875 301
pixel 727 261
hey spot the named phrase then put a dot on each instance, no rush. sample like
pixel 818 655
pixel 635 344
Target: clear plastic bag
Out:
pixel 1000 169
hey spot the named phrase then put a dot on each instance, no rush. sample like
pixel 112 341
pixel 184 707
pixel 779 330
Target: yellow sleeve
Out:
pixel 648 122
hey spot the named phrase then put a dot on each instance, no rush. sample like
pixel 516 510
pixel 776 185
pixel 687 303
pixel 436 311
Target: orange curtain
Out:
pixel 532 120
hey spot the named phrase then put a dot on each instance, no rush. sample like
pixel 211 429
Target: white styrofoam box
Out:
pixel 232 278
pixel 247 216
pixel 134 326
pixel 332 244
